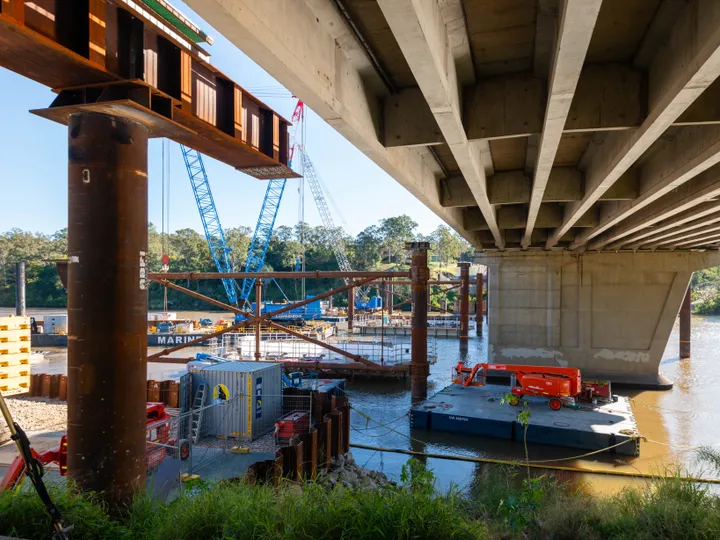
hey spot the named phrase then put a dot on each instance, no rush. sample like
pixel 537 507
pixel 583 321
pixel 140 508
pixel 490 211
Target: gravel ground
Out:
pixel 34 414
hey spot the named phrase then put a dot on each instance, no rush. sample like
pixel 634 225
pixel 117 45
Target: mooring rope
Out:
pixel 536 461
pixel 473 459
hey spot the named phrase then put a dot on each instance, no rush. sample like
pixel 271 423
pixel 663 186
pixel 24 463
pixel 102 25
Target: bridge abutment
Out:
pixel 609 314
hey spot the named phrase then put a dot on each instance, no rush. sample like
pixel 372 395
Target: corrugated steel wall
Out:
pixel 254 396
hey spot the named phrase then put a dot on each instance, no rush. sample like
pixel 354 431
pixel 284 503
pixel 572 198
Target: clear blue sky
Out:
pixel 34 167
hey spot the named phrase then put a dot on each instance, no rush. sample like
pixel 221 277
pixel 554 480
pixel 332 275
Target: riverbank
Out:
pixel 500 504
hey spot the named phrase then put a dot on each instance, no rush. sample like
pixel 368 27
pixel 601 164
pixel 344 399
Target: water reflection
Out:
pixel 674 422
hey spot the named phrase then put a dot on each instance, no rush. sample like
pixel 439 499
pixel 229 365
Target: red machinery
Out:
pixel 15 474
pixel 292 424
pixel 157 434
pixel 561 385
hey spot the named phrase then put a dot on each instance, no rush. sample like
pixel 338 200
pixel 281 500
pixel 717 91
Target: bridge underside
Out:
pixel 524 124
pixel 574 143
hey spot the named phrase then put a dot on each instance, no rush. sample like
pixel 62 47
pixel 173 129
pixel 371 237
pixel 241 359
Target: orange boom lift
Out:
pixel 564 386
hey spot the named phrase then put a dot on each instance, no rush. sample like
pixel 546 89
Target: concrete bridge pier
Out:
pixel 609 314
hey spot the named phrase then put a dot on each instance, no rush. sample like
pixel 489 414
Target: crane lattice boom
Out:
pixel 209 217
pixel 336 241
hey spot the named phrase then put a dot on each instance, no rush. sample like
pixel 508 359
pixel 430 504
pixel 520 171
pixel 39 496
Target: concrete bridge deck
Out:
pixel 541 131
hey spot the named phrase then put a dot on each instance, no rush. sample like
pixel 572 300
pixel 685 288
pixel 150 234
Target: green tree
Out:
pixel 447 244
pixel 238 241
pixel 396 231
pixel 367 248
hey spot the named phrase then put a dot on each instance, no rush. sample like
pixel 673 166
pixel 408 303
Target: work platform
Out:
pixel 439 331
pixel 480 411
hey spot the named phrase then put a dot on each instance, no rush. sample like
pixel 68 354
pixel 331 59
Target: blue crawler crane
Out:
pixel 210 220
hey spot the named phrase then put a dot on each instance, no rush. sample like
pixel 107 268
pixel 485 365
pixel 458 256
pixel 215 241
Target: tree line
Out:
pixel 379 246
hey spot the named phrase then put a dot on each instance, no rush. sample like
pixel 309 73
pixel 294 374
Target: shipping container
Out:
pixel 246 398
pixel 55 324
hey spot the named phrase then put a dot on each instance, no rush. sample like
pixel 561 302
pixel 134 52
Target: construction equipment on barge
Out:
pixel 563 386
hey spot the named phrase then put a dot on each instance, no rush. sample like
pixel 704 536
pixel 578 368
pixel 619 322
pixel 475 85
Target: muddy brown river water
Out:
pixel 674 422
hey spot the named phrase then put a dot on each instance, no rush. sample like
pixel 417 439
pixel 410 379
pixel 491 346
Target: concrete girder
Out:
pixel 576 28
pixel 423 38
pixel 692 151
pixel 513 187
pixel 454 17
pixel 712 227
pixel 514 216
pixel 686 65
pixel 609 97
pixel 697 242
pixel 699 190
pixel 513 237
pixel 667 14
pixel 323 73
pixel 545 37
pixel 676 233
pixel 669 227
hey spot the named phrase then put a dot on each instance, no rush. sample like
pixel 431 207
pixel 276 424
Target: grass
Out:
pixel 501 503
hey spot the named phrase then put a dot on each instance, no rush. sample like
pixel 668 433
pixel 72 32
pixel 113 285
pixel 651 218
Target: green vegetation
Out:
pixel 500 503
pixel 706 291
pixel 378 246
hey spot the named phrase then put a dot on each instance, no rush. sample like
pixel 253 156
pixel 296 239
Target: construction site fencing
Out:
pixel 383 352
pixel 404 321
pixel 205 436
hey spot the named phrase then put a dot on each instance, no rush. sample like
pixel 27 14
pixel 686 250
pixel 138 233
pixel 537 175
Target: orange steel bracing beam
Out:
pixel 251 317
pixel 317 274
pixel 121 59
pixel 354 367
pixel 431 282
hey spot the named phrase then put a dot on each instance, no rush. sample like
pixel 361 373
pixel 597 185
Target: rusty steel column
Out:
pixel 20 307
pixel 351 308
pixel 390 297
pixel 258 312
pixel 479 288
pixel 419 275
pixel 685 312
pixel 107 304
pixel 464 301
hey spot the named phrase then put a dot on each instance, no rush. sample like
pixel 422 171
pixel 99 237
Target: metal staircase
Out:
pixel 197 412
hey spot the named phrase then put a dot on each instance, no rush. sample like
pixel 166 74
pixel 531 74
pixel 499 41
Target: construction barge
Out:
pixel 563 409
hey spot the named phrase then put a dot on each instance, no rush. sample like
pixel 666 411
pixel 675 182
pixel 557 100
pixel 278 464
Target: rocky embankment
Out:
pixel 345 472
